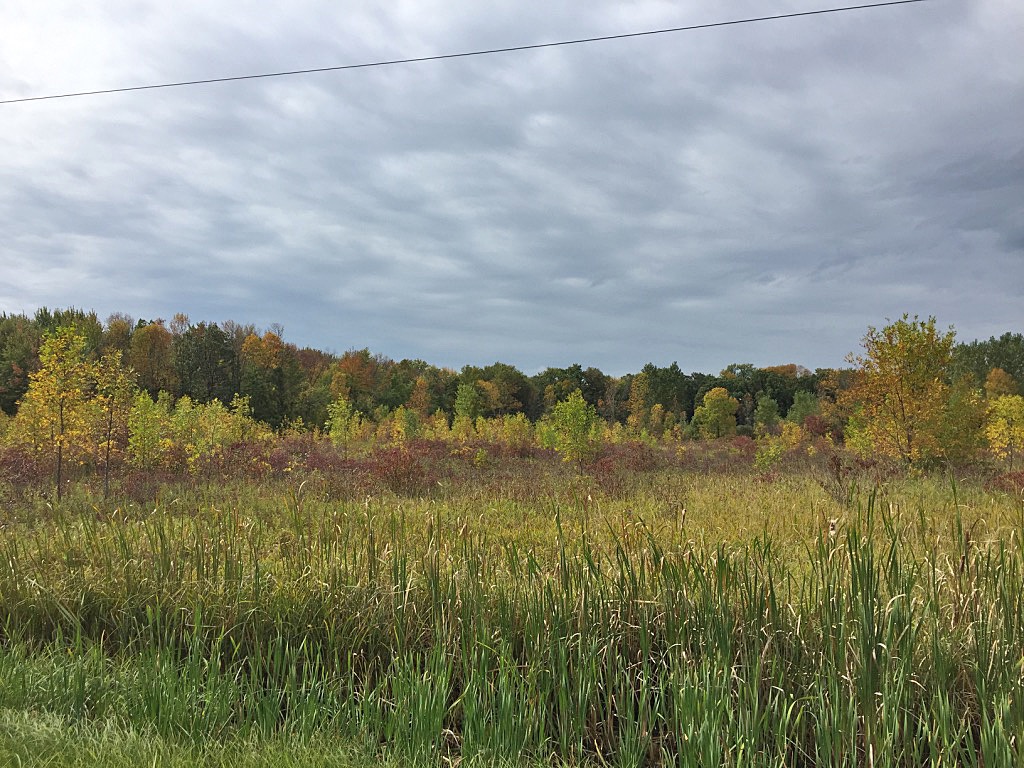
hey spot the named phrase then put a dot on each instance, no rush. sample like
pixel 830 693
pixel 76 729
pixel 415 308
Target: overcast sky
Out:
pixel 754 193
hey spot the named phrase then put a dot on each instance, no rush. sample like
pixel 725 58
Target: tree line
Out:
pixel 145 388
pixel 208 361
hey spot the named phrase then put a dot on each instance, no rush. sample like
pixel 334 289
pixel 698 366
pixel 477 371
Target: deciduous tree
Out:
pixel 468 402
pixel 115 390
pixel 149 430
pixel 420 400
pixel 117 334
pixel 804 404
pixel 52 415
pixel 150 356
pixel 717 416
pixel 573 421
pixel 999 383
pixel 639 403
pixel 901 392
pixel 265 364
pixel 1005 427
pixel 19 356
pixel 766 415
pixel 344 423
pixel 87 325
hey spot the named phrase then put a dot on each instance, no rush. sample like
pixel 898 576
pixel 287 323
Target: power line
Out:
pixel 464 54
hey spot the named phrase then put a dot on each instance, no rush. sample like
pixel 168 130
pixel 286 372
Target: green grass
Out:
pixel 542 620
pixel 38 740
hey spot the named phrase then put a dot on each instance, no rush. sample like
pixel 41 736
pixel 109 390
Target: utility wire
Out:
pixel 464 54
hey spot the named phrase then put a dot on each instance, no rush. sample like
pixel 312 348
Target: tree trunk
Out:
pixel 60 446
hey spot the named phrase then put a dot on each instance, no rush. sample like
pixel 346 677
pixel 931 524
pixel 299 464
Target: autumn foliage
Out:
pixel 203 400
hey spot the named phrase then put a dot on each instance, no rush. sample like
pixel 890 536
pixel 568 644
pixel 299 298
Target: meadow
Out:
pixel 486 607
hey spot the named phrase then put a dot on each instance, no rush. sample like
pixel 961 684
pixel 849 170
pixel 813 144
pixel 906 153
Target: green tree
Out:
pixel 962 426
pixel 503 389
pixel 468 402
pixel 270 377
pixel 766 415
pixel 743 382
pixel 671 388
pixel 804 404
pixel 555 384
pixel 19 356
pixel 405 424
pixel 717 416
pixel 87 325
pixel 979 357
pixel 314 377
pixel 573 421
pixel 206 364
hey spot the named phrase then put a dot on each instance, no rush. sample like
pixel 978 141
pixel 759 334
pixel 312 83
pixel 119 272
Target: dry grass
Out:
pixel 669 617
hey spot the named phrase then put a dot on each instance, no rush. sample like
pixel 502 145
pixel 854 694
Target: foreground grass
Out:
pixel 35 740
pixel 696 620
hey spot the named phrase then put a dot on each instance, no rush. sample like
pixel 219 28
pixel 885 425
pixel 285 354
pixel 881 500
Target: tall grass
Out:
pixel 570 628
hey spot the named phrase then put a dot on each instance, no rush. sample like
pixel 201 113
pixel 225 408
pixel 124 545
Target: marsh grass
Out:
pixel 35 740
pixel 698 620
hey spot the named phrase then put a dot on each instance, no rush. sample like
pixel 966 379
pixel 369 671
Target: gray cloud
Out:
pixel 755 193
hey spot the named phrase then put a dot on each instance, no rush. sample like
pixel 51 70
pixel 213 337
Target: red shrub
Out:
pixel 745 446
pixel 1009 482
pixel 21 469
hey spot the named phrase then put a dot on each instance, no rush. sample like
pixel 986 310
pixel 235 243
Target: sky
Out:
pixel 754 193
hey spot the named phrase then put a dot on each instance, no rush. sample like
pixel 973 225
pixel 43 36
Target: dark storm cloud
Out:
pixel 757 193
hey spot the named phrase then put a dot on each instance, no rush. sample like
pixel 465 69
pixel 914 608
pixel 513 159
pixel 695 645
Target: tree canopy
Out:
pixel 912 394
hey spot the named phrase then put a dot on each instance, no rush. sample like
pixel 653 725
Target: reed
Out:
pixel 570 628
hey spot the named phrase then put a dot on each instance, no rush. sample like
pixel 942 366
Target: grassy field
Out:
pixel 660 617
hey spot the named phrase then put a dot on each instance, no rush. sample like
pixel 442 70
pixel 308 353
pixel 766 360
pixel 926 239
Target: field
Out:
pixel 644 611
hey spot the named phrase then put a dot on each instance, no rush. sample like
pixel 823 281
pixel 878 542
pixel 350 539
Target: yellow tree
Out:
pixel 344 423
pixel 151 357
pixel 717 416
pixel 115 392
pixel 149 430
pixel 52 417
pixel 1005 427
pixel 420 400
pixel 490 397
pixel 999 383
pixel 639 393
pixel 905 407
